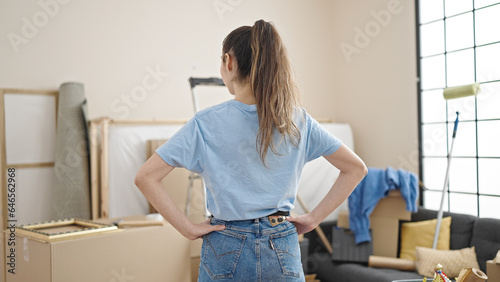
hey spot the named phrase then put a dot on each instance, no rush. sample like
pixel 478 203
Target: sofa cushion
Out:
pixel 460 229
pixel 486 239
pixel 421 234
pixel 453 261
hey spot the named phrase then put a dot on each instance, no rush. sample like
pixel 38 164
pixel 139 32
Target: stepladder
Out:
pixel 195 82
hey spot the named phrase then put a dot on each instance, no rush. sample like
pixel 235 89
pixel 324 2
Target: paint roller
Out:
pixel 452 93
pixel 461 91
pixel 150 220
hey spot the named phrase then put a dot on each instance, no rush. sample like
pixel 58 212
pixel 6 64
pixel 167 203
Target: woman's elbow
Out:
pixel 140 178
pixel 359 169
pixel 363 169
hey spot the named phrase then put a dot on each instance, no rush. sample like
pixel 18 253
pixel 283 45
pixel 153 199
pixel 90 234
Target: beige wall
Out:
pixel 114 46
pixel 375 74
pixel 110 45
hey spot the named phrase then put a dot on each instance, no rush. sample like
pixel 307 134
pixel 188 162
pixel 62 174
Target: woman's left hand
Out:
pixel 303 223
pixel 203 228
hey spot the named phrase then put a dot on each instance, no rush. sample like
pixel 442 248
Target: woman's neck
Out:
pixel 243 94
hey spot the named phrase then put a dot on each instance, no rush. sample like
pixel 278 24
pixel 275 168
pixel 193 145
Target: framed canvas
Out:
pixel 64 229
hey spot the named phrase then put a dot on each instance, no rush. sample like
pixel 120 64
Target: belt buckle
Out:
pixel 276 219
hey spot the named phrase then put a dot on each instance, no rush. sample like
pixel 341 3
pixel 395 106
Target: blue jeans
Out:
pixel 251 250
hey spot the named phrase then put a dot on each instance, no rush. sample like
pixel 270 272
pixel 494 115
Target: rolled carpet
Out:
pixel 71 196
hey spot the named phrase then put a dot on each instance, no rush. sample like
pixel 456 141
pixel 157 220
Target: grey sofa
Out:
pixel 465 231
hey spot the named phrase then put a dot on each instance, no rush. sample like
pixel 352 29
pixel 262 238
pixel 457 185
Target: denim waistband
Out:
pixel 258 225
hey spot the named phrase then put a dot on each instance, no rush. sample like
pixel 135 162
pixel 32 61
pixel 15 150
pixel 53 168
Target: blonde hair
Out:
pixel 263 59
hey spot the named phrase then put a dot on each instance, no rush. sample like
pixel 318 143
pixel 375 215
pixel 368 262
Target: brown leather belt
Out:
pixel 278 217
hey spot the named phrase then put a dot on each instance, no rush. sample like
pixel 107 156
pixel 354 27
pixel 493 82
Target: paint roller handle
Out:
pixel 455 128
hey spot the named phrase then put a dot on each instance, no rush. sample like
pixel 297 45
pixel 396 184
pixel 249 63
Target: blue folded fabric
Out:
pixel 376 185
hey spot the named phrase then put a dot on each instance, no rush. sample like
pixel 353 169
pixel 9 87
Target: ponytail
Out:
pixel 273 88
pixel 263 59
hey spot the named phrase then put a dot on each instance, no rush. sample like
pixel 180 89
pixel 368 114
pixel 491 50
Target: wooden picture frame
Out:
pixel 33 93
pixel 99 158
pixel 64 229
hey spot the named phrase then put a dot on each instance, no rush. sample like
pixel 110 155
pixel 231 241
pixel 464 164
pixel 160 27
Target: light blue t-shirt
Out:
pixel 219 143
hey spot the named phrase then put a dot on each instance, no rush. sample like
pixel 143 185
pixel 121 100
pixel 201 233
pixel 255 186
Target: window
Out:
pixel 459 44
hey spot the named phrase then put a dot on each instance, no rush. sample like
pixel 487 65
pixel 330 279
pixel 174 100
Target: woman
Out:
pixel 250 152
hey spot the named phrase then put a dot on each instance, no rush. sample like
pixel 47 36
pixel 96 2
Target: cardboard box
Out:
pixel 392 206
pixel 195 268
pixel 343 219
pixel 384 222
pixel 195 248
pixel 385 236
pixel 493 271
pixel 2 260
pixel 177 183
pixel 153 253
pixel 195 251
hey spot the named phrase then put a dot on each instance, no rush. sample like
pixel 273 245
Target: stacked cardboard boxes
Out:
pixel 384 222
pixel 152 253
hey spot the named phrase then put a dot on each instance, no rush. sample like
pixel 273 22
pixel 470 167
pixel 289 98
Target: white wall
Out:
pixel 112 47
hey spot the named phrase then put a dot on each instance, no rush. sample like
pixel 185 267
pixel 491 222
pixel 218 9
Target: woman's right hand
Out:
pixel 304 223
